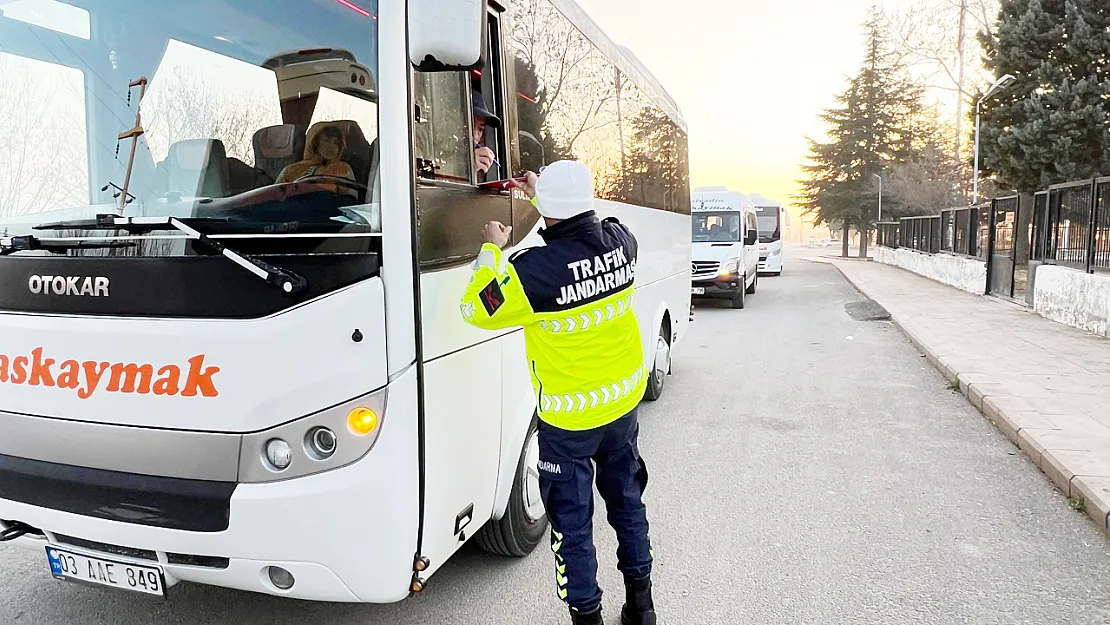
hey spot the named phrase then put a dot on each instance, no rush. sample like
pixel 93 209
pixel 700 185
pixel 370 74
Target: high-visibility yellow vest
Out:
pixel 584 346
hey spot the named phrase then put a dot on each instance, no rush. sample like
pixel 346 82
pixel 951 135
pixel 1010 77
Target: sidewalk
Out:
pixel 1045 385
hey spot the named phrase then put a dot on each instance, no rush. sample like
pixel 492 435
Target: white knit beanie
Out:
pixel 565 189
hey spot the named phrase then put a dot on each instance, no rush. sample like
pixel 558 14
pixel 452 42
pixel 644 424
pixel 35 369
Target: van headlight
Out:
pixel 729 268
pixel 322 441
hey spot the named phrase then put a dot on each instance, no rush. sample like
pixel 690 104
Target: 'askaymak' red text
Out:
pixel 191 379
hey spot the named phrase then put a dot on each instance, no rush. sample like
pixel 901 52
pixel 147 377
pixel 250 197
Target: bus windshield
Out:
pixel 716 227
pixel 770 225
pixel 262 113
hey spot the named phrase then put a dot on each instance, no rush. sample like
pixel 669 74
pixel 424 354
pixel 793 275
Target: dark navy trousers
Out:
pixel 567 461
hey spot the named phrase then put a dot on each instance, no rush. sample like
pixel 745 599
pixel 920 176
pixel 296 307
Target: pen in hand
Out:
pixel 495 161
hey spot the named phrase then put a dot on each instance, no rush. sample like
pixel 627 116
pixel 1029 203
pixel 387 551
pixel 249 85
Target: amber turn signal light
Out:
pixel 362 421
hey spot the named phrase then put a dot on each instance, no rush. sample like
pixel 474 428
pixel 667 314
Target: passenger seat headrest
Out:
pixel 195 154
pixel 276 141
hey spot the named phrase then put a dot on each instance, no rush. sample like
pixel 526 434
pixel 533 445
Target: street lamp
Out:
pixel 880 179
pixel 998 84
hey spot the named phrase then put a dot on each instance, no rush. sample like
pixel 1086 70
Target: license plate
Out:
pixel 75 567
pixel 697 290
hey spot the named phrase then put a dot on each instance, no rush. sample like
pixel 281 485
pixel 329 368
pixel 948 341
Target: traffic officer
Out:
pixel 574 299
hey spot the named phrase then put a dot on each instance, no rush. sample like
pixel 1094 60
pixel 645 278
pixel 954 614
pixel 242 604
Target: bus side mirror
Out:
pixel 751 237
pixel 447 35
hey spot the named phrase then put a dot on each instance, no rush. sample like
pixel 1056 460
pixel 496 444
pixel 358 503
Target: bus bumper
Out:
pixel 771 263
pixel 347 535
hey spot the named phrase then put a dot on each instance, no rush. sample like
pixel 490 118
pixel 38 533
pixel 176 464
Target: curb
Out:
pixel 1092 492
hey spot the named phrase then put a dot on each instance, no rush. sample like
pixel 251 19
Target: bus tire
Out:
pixel 755 283
pixel 660 368
pixel 524 524
pixel 738 299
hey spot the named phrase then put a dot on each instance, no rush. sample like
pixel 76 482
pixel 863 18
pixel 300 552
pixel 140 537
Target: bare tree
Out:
pixel 936 41
pixel 926 184
pixel 579 83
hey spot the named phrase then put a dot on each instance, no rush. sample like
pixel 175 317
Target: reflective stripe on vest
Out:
pixel 589 318
pixel 577 402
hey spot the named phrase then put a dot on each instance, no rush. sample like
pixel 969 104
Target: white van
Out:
pixel 725 245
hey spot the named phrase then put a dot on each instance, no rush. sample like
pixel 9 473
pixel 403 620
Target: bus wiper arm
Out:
pixel 29 243
pixel 288 281
pixel 133 225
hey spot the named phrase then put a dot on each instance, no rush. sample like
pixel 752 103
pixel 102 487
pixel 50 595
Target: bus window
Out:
pixel 770 224
pixel 43 156
pixel 488 83
pixel 442 135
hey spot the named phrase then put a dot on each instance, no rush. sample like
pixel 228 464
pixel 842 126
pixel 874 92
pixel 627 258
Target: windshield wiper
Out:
pixel 289 282
pixel 30 243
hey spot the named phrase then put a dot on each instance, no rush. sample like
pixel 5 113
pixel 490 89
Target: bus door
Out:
pixel 463 366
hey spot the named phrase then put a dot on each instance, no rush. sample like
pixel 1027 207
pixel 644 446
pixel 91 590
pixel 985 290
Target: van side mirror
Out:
pixel 447 35
pixel 751 238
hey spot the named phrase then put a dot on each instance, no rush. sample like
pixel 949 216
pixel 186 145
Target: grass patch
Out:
pixel 954 385
pixel 1079 505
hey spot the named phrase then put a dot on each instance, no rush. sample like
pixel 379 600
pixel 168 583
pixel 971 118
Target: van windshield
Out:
pixel 716 227
pixel 262 113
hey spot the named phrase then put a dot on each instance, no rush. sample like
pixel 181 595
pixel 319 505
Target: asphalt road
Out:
pixel 806 467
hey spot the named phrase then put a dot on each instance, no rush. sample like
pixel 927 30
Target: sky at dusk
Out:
pixel 750 76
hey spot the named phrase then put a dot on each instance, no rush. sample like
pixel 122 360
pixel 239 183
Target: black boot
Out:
pixel 586 618
pixel 639 609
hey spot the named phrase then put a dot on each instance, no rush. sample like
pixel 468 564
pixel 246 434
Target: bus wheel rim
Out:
pixel 530 478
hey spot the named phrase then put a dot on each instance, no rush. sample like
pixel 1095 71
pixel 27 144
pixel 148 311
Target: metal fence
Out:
pixel 1071 225
pixel 920 233
pixel 963 229
pixel 1044 239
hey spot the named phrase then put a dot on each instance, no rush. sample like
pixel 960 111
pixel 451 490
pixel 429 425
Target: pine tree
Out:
pixel 1052 124
pixel 879 121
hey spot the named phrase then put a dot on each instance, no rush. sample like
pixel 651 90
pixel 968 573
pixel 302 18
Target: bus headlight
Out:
pixel 279 454
pixel 323 441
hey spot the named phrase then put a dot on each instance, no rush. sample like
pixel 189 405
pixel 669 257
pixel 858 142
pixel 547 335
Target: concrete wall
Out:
pixel 966 274
pixel 1072 297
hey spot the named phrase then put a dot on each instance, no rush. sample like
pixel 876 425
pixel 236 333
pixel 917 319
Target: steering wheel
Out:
pixel 337 180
